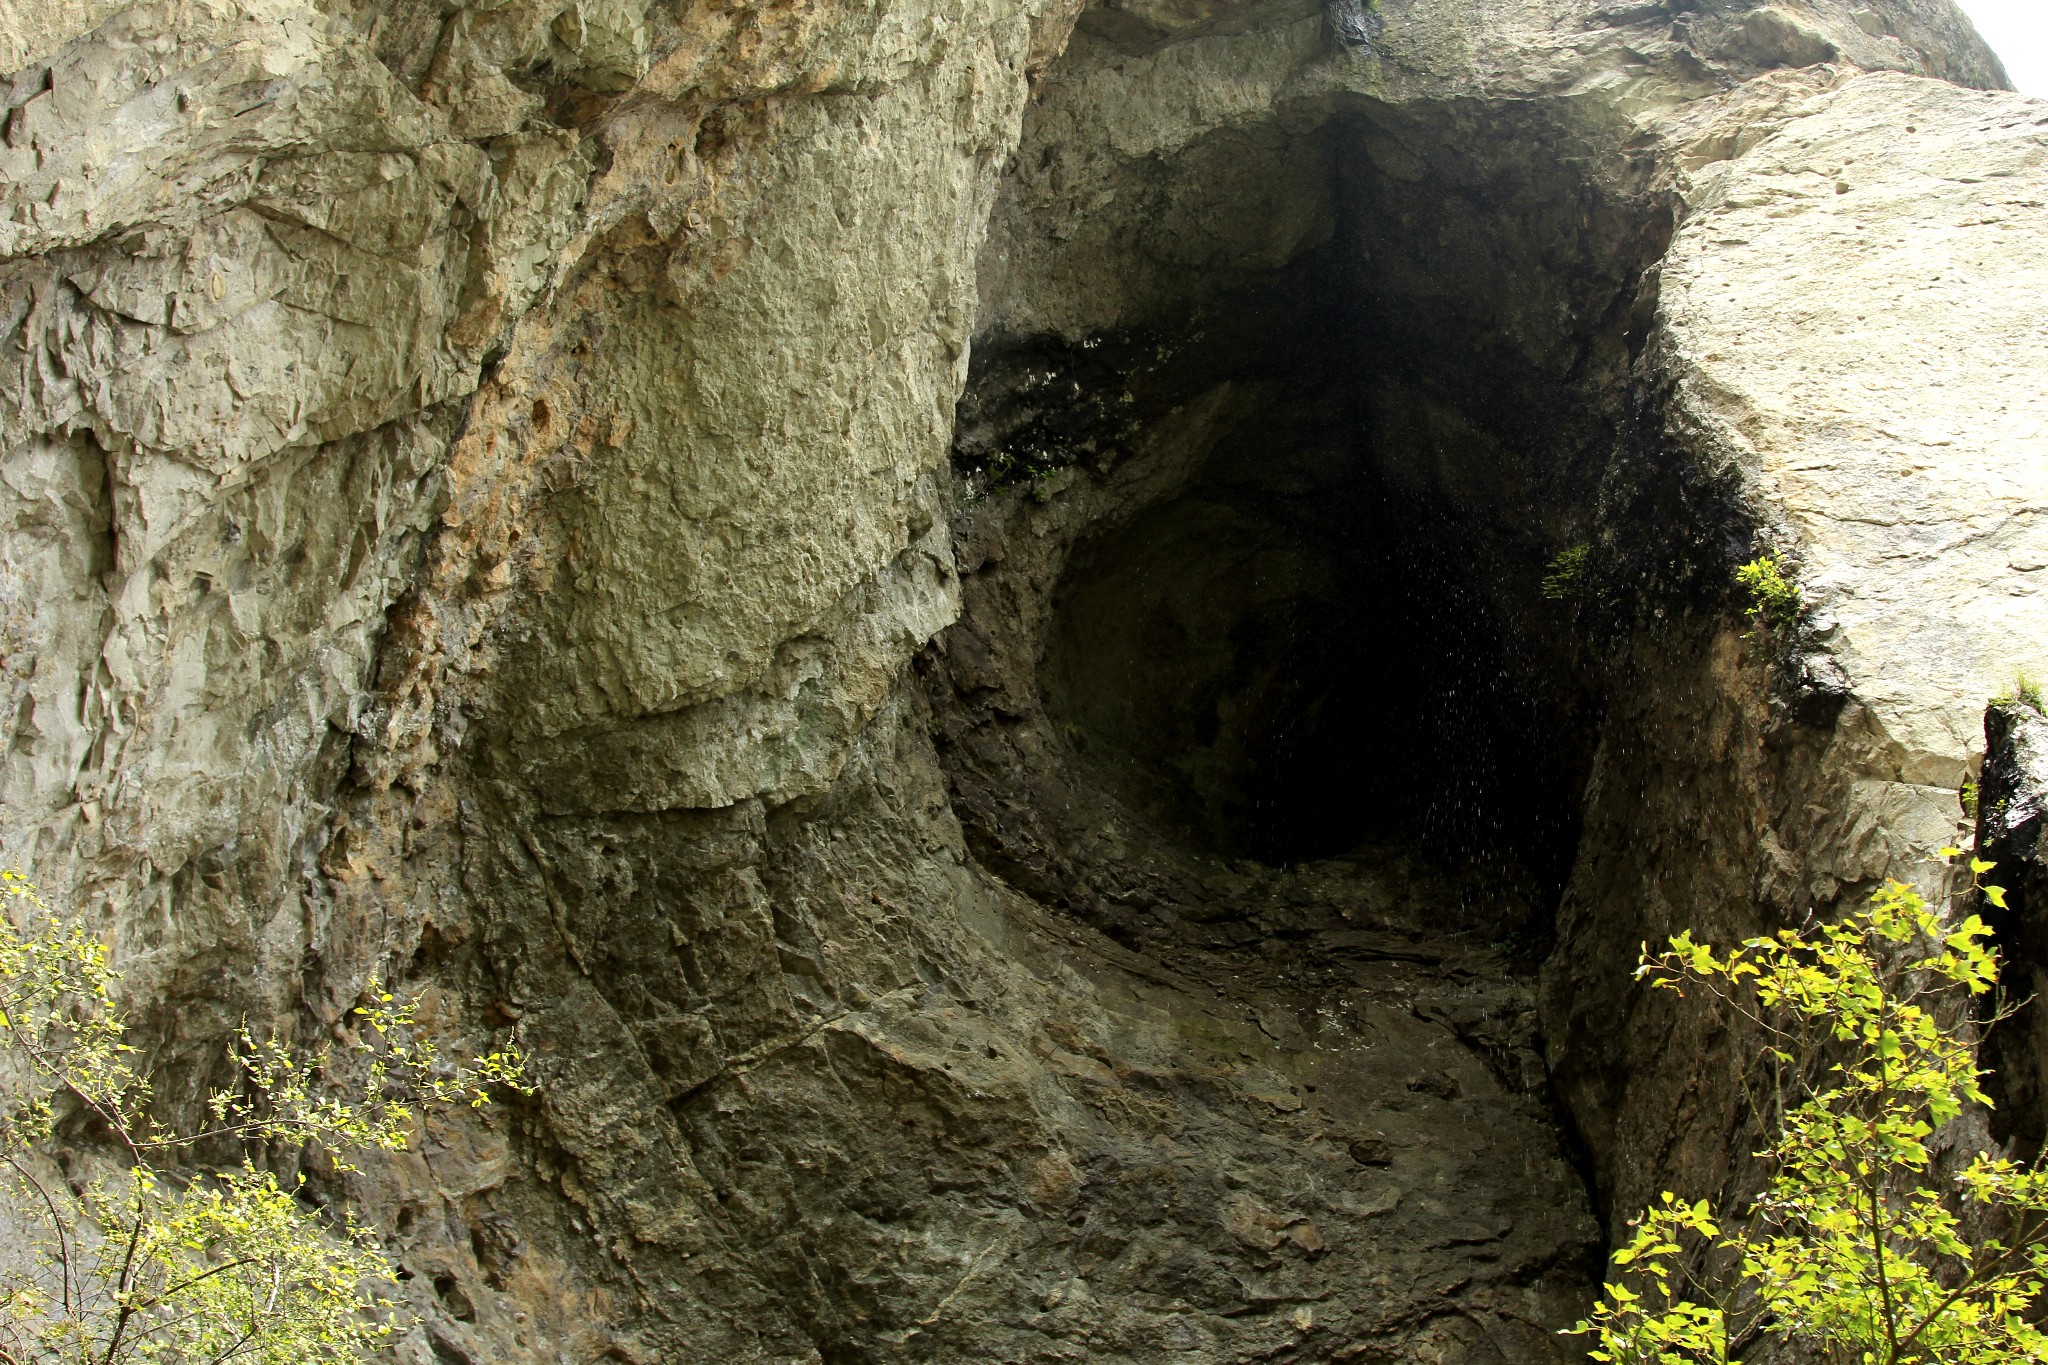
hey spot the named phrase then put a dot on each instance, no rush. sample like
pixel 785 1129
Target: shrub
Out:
pixel 149 1260
pixel 1863 1247
pixel 2026 691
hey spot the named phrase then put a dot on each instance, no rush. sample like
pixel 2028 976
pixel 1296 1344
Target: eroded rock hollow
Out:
pixel 1049 657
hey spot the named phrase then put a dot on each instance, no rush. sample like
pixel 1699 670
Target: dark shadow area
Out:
pixel 2012 814
pixel 1297 658
pixel 1336 633
pixel 1321 524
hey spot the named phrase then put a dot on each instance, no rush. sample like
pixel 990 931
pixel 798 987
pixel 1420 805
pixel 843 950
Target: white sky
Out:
pixel 2018 31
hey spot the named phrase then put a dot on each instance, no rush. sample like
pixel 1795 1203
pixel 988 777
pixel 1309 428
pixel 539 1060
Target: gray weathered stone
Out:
pixel 478 511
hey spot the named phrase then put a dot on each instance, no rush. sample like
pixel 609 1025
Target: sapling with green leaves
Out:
pixel 1774 598
pixel 1867 1245
pixel 142 1257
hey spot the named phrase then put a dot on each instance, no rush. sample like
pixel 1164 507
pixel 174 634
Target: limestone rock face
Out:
pixel 1853 304
pixel 1844 325
pixel 1049 657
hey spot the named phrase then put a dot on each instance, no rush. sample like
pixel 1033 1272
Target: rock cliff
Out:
pixel 1050 656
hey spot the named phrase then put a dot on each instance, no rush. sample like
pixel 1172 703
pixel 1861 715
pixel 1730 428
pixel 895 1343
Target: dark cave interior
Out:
pixel 1335 632
pixel 1295 659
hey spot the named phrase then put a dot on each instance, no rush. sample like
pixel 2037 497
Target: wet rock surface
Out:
pixel 1368 1022
pixel 2011 802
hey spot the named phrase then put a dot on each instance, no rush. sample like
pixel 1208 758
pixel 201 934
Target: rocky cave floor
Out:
pixel 1366 1079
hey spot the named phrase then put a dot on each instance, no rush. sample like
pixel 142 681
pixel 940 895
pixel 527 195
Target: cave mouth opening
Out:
pixel 1341 627
pixel 1298 658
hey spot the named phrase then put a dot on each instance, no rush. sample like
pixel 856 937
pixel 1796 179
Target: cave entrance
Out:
pixel 1289 527
pixel 1294 661
pixel 1411 333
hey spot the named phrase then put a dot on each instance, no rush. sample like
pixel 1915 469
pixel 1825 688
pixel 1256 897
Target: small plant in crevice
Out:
pixel 158 1257
pixel 1565 576
pixel 1878 1238
pixel 2026 691
pixel 1774 598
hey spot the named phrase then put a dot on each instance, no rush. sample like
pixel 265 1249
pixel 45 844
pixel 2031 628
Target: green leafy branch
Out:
pixel 1859 1248
pixel 1564 577
pixel 148 1262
